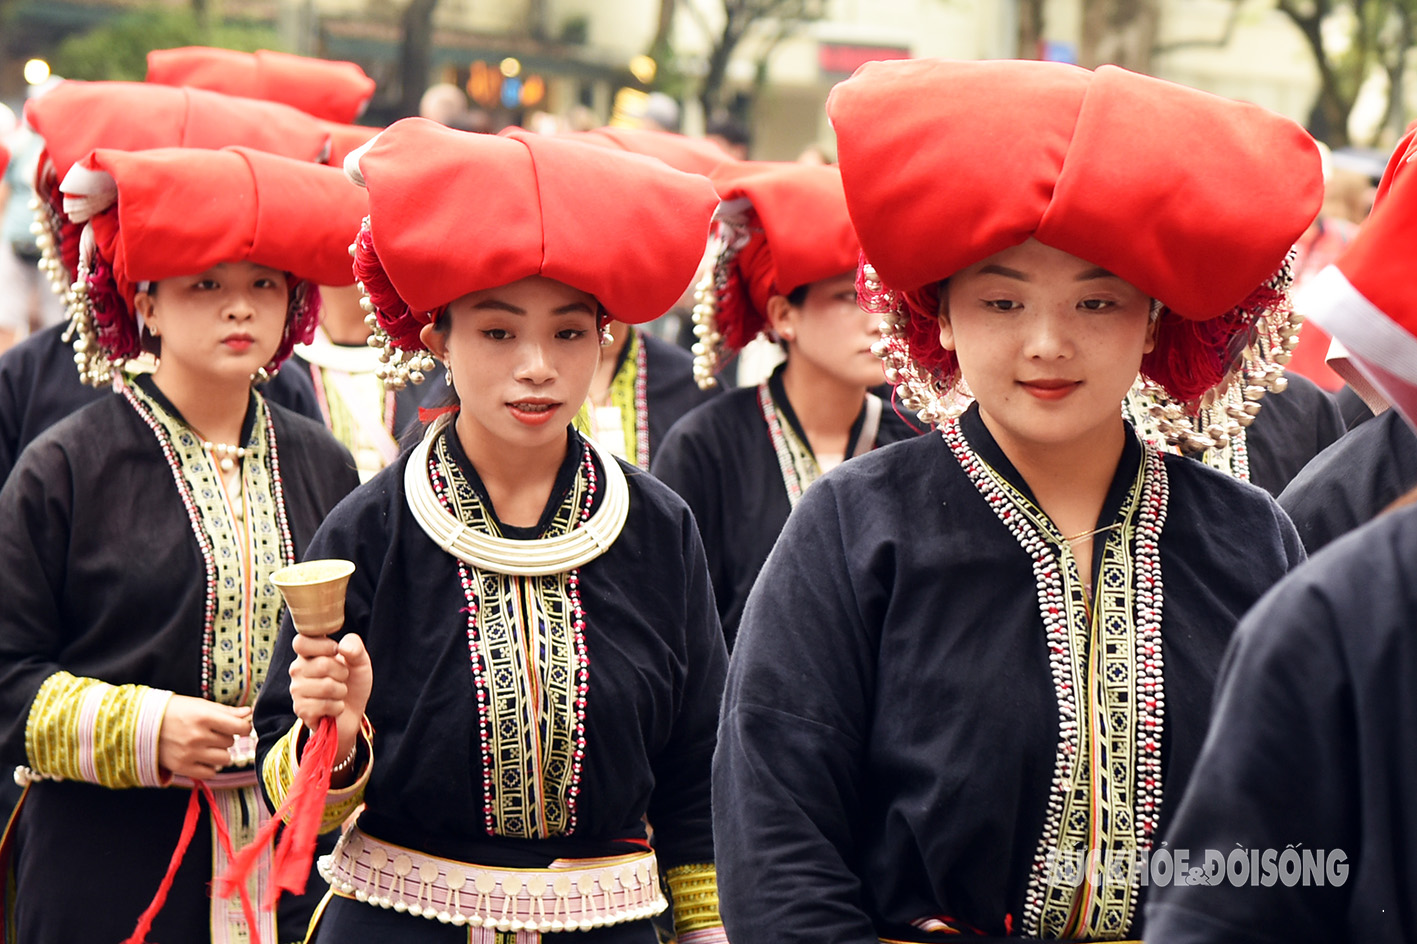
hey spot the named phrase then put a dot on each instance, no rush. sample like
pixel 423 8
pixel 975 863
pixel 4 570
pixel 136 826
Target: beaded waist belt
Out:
pixel 568 895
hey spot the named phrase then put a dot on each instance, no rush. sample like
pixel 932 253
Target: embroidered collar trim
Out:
pixel 534 558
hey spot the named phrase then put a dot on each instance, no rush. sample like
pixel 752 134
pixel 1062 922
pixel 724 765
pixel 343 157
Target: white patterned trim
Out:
pixel 152 706
pixel 1333 303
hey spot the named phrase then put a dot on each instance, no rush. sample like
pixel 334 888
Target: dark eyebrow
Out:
pixel 496 304
pixel 493 304
pixel 1097 272
pixel 993 269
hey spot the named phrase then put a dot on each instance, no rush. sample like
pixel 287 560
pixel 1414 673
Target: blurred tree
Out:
pixel 1120 32
pixel 1030 29
pixel 777 19
pixel 415 54
pixel 118 50
pixel 1349 39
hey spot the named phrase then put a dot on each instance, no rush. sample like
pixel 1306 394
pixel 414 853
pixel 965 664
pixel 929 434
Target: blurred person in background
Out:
pixel 782 266
pixel 26 304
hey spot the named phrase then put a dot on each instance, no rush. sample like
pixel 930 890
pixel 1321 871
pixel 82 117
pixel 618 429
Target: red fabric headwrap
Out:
pixel 180 211
pixel 800 233
pixel 1192 198
pixel 452 213
pixel 345 139
pixel 78 117
pixel 333 90
pixel 1365 299
pixel 679 151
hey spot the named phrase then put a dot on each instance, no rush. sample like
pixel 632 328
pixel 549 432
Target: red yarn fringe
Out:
pixel 400 322
pixel 429 414
pixel 189 829
pixel 302 813
pixel 1190 356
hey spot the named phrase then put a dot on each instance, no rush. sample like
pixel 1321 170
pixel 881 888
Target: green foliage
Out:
pixel 117 50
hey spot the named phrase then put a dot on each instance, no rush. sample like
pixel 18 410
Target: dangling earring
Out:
pixel 448 374
pixel 606 338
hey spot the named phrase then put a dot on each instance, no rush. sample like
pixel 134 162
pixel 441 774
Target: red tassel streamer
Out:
pixel 189 828
pixel 303 811
pixel 429 414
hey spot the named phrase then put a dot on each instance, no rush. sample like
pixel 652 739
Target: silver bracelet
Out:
pixel 344 765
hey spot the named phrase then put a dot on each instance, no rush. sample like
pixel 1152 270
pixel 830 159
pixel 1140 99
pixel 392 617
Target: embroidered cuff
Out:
pixel 86 729
pixel 694 890
pixel 278 773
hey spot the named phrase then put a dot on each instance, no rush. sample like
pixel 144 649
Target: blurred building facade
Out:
pixel 573 56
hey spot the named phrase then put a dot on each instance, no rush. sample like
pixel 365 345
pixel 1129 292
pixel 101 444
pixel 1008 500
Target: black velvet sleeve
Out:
pixel 686 462
pixel 1352 480
pixel 787 775
pixel 680 808
pixel 36 511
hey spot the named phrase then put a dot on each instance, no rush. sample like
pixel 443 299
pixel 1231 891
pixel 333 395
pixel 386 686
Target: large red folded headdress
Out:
pixel 345 139
pixel 779 226
pixel 1365 298
pixel 691 155
pixel 1194 199
pixel 325 88
pixel 78 117
pixel 451 212
pixel 169 212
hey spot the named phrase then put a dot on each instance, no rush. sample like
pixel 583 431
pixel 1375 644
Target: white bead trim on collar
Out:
pixel 533 558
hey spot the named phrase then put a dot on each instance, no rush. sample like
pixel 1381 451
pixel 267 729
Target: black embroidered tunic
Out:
pixel 910 710
pixel 721 459
pixel 102 577
pixel 39 386
pixel 654 661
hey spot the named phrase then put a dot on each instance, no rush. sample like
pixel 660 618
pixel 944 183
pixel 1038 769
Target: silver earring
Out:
pixel 606 338
pixel 448 375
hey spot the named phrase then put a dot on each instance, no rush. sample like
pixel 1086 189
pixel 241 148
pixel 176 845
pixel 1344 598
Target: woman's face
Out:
pixel 522 357
pixel 226 322
pixel 1048 343
pixel 831 333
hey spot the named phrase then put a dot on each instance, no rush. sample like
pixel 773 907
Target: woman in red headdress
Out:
pixel 784 265
pixel 974 674
pixel 38 383
pixel 139 535
pixel 531 663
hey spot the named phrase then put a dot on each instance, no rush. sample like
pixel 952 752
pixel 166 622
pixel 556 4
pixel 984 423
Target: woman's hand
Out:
pixel 196 736
pixel 329 680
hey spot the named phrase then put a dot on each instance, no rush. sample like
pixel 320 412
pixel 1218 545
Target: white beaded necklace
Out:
pixel 532 558
pixel 226 455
